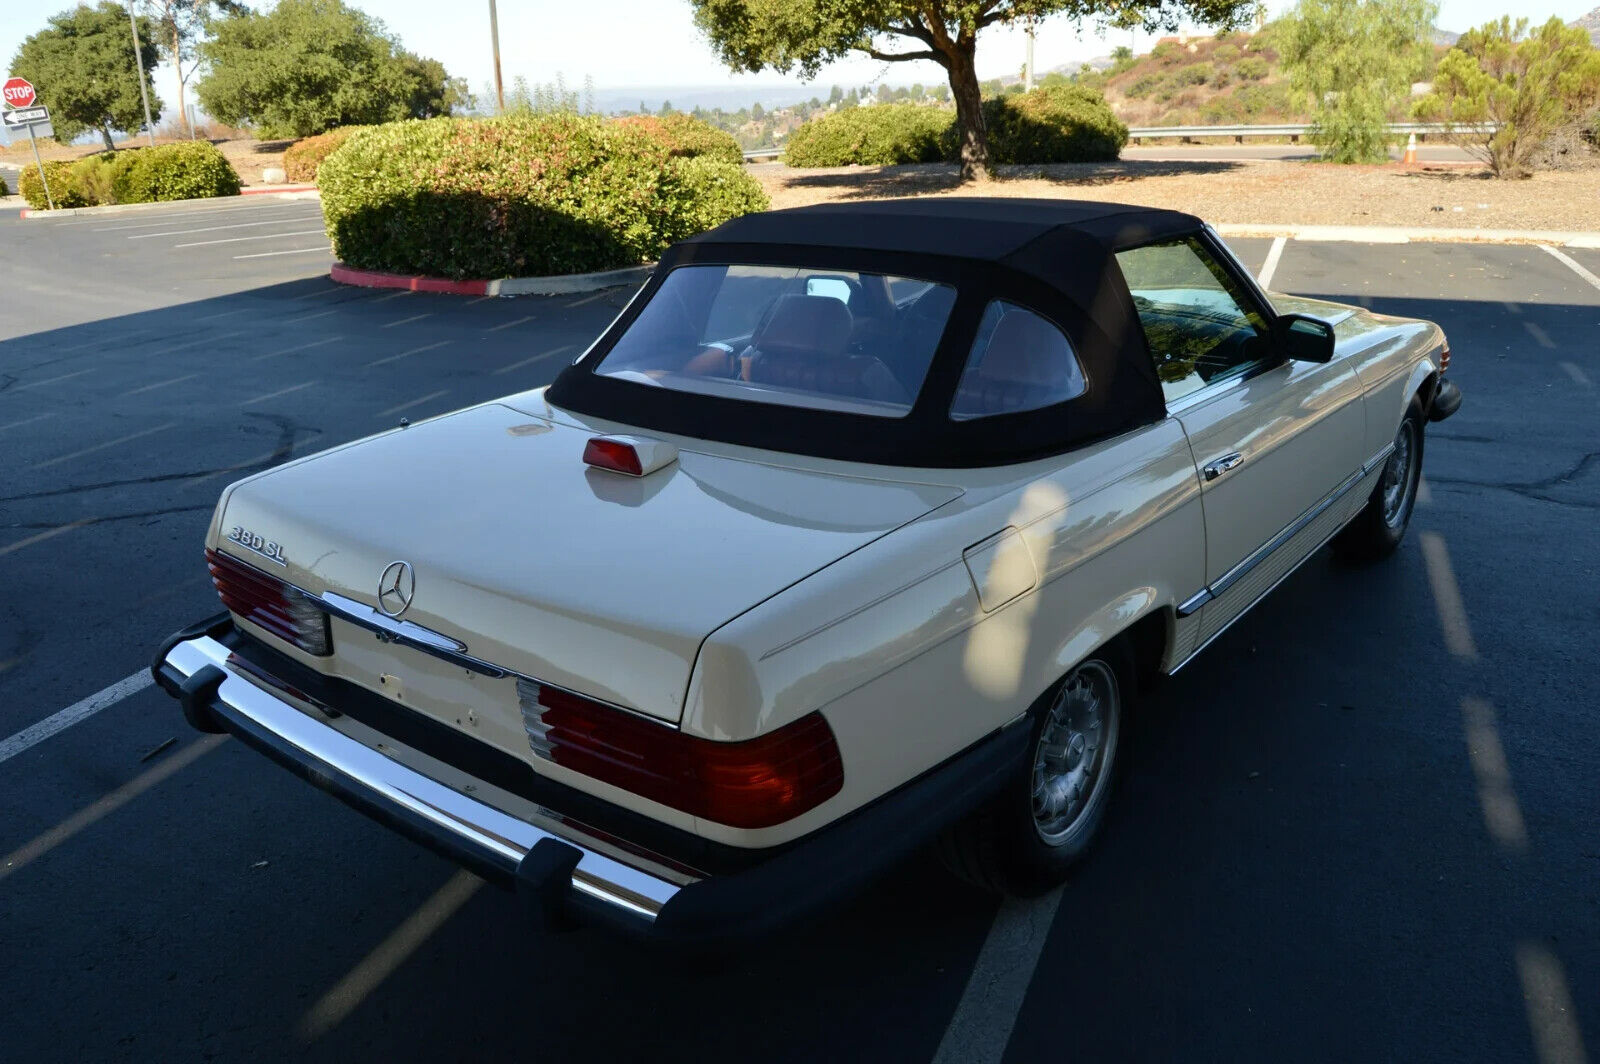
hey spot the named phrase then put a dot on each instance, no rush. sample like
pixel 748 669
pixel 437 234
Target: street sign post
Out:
pixel 18 97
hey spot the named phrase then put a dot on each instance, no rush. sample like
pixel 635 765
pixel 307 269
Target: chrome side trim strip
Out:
pixel 1191 605
pixel 1215 590
pixel 498 835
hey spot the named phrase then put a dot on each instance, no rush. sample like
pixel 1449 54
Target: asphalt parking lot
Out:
pixel 1361 826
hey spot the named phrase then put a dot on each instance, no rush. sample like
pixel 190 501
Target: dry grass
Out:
pixel 1243 192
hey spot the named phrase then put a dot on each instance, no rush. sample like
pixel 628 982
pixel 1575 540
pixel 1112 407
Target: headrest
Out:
pixel 818 326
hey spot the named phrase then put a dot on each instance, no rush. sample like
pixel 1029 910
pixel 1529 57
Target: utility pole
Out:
pixel 138 68
pixel 1027 71
pixel 499 86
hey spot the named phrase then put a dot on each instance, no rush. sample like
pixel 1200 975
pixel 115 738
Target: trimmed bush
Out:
pixel 880 135
pixel 686 137
pixel 1062 124
pixel 300 162
pixel 518 195
pixel 62 187
pixel 192 169
pixel 5 189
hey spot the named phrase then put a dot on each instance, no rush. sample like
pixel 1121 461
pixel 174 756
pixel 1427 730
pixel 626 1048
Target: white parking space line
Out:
pixel 1447 598
pixel 38 733
pixel 1557 1038
pixel 1540 337
pixel 509 324
pixel 302 347
pixel 199 340
pixel 1577 267
pixel 160 384
pixel 392 295
pixel 212 229
pixel 1579 377
pixel 349 992
pixel 406 354
pixel 220 314
pixel 49 533
pixel 26 421
pixel 480 299
pixel 97 810
pixel 298 251
pixel 50 380
pixel 242 239
pixel 404 321
pixel 313 316
pixel 1270 267
pixel 536 358
pixel 415 402
pixel 167 221
pixel 274 395
pixel 1502 816
pixel 104 446
pixel 981 1025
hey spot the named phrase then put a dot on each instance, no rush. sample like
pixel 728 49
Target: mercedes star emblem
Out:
pixel 395 588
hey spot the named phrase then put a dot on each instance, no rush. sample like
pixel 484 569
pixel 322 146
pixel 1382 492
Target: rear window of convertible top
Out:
pixel 859 343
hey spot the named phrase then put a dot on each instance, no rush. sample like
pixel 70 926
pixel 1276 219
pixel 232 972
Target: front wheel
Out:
pixel 1378 529
pixel 1028 838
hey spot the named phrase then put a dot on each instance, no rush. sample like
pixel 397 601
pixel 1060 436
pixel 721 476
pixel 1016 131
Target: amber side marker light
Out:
pixel 753 784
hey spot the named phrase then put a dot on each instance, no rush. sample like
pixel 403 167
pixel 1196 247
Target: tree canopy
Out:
pixel 805 35
pixel 307 66
pixel 181 24
pixel 82 66
pixel 1523 86
pixel 1356 60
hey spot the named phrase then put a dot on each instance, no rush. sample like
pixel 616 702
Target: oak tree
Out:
pixel 82 66
pixel 784 35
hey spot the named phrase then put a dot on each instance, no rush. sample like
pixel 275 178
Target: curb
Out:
pixel 134 208
pixel 557 285
pixel 1374 234
pixel 269 190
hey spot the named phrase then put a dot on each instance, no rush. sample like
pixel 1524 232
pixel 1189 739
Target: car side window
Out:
pixel 1200 327
pixel 1018 362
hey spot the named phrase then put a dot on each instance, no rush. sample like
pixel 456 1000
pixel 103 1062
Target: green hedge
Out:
pixel 1060 124
pixel 519 195
pixel 187 170
pixel 687 137
pixel 301 161
pixel 5 189
pixel 879 135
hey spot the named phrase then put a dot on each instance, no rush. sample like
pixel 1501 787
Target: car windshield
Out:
pixel 823 339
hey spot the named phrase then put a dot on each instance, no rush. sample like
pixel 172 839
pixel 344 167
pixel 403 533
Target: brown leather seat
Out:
pixel 803 346
pixel 1027 364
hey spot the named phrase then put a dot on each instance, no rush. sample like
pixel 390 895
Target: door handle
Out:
pixel 1217 467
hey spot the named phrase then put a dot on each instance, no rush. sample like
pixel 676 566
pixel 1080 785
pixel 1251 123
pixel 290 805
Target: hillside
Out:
pixel 1200 80
pixel 1590 22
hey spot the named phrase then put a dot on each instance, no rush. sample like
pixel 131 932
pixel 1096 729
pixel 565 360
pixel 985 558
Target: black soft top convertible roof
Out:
pixel 1057 257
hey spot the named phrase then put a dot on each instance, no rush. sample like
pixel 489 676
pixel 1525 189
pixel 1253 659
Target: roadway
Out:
pixel 1361 826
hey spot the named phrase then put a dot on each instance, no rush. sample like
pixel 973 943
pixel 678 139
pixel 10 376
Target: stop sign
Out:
pixel 17 92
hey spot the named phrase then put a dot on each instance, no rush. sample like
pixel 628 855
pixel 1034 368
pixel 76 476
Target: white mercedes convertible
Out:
pixel 858 530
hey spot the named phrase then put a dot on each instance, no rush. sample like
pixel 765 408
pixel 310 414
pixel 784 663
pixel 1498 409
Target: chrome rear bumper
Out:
pixel 478 834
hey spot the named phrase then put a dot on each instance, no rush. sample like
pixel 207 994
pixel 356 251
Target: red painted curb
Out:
pixel 342 274
pixel 264 190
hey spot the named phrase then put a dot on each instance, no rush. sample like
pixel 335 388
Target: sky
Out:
pixel 653 44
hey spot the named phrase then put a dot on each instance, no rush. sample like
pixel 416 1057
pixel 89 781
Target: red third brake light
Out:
pixel 615 455
pixel 753 784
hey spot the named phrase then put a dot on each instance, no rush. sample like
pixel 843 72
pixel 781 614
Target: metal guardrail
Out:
pixel 1294 131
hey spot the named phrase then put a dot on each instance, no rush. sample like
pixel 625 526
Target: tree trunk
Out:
pixel 177 70
pixel 105 135
pixel 969 112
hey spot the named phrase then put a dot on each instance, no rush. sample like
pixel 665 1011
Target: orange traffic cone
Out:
pixel 1410 157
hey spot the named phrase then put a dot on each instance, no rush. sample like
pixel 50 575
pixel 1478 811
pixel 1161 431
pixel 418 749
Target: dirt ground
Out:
pixel 1241 192
pixel 248 156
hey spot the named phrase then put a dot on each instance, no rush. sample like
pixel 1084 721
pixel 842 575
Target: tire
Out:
pixel 1027 839
pixel 1377 530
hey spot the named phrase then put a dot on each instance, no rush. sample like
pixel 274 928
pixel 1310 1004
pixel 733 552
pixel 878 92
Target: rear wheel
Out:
pixel 1378 529
pixel 1028 838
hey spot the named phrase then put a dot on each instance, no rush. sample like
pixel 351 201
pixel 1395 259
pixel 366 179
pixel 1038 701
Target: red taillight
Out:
pixel 1444 357
pixel 753 784
pixel 266 601
pixel 615 455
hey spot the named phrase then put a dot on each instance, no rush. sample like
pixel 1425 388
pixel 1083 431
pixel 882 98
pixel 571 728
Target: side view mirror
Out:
pixel 1303 338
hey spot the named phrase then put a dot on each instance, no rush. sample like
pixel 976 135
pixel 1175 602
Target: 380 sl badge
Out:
pixel 258 544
